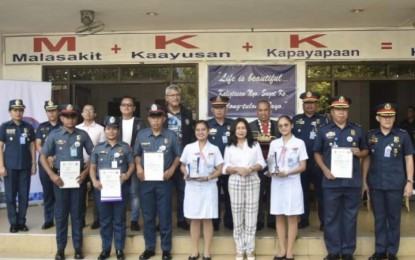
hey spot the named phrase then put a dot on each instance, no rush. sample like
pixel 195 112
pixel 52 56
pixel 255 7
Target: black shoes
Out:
pixel 47 225
pixel 194 257
pixel 120 255
pixel 333 257
pixel 95 225
pixel 183 224
pixel 14 229
pixel 147 254
pixel 166 256
pixel 23 227
pixel 78 254
pixel 392 257
pixel 259 225
pixel 378 256
pixel 104 255
pixel 347 257
pixel 303 224
pixel 134 226
pixel 279 258
pixel 60 255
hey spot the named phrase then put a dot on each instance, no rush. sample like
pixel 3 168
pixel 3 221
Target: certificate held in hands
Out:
pixel 111 184
pixel 342 162
pixel 69 171
pixel 153 166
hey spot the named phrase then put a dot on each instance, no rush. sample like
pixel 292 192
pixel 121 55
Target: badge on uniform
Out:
pixel 78 137
pixel 213 131
pixel 330 134
pixel 396 139
pixel 388 150
pixel 23 138
pixel 74 151
pixel 166 141
pixel 353 132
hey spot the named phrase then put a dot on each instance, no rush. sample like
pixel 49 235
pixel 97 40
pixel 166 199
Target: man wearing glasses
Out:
pixel 97 135
pixel 129 128
pixel 180 121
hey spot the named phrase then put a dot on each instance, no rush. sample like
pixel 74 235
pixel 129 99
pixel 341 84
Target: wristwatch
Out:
pixel 410 181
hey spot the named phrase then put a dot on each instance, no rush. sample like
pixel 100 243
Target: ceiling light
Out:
pixel 357 10
pixel 152 14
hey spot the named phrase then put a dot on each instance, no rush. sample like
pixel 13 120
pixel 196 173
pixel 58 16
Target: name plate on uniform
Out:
pixel 69 172
pixel 111 184
pixel 153 166
pixel 342 162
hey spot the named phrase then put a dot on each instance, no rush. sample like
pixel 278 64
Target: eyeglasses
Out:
pixel 127 105
pixel 284 125
pixel 174 95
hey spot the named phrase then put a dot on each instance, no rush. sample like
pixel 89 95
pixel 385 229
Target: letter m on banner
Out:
pixel 69 42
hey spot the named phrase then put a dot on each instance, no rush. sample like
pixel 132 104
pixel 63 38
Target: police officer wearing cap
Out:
pixel 156 196
pixel 341 195
pixel 306 126
pixel 17 164
pixel 219 132
pixel 67 144
pixel 112 154
pixel 42 133
pixel 387 173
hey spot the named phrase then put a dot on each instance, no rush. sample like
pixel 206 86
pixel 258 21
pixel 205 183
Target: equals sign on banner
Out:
pixel 386 46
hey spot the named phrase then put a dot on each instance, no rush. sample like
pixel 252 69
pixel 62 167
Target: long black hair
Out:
pixel 249 136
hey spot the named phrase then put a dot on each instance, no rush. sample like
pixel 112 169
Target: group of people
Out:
pixel 257 165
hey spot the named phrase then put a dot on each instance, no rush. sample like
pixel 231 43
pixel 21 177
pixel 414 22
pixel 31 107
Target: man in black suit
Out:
pixel 129 127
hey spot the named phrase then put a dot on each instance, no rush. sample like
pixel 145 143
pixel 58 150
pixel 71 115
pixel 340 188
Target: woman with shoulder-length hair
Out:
pixel 286 159
pixel 243 159
pixel 201 164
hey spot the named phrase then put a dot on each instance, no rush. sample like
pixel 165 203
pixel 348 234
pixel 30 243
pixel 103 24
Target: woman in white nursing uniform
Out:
pixel 201 164
pixel 287 155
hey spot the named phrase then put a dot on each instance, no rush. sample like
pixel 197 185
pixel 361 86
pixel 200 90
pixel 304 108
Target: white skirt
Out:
pixel 200 200
pixel 286 196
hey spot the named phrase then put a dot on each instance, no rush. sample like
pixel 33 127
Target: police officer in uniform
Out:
pixel 306 126
pixel 266 130
pixel 388 173
pixel 219 133
pixel 341 196
pixel 67 144
pixel 112 154
pixel 42 133
pixel 17 164
pixel 156 196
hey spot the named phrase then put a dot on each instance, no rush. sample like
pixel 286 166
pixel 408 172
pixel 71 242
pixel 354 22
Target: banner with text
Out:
pixel 247 85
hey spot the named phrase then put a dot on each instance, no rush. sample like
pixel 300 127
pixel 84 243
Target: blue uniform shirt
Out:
pixel 166 142
pixel 219 134
pixel 105 156
pixel 67 146
pixel 387 168
pixel 350 136
pixel 44 130
pixel 306 128
pixel 17 139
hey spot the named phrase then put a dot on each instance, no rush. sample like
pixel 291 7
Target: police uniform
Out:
pixel 113 210
pixel 42 133
pixel 156 196
pixel 265 187
pixel 306 129
pixel 341 196
pixel 16 139
pixel 68 146
pixel 386 180
pixel 218 135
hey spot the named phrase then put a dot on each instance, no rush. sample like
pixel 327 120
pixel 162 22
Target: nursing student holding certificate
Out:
pixel 201 164
pixel 287 158
pixel 111 166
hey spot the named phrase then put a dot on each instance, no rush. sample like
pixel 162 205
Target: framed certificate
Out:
pixel 111 184
pixel 69 171
pixel 342 162
pixel 153 166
